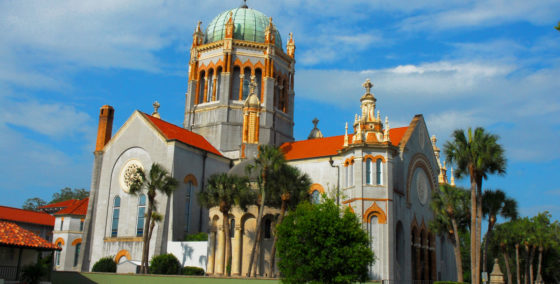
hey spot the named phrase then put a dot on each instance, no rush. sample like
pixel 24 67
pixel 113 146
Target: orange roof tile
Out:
pixel 174 132
pixel 13 235
pixel 327 146
pixel 79 208
pixel 25 216
pixel 62 204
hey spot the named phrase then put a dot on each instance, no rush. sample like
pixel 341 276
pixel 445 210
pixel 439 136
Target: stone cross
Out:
pixel 368 84
pixel 156 107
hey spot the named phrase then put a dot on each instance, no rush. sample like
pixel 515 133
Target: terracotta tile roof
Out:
pixel 14 235
pixel 62 204
pixel 328 146
pixel 174 132
pixel 79 208
pixel 26 216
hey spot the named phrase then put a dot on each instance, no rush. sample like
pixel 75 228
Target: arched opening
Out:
pixel 141 217
pixel 210 89
pixel 379 172
pixel 374 231
pixel 201 86
pixel 246 82
pixel 235 84
pixel 258 79
pixel 399 251
pixel 218 86
pixel 116 212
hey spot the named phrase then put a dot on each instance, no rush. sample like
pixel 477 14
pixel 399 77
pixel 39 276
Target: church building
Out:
pixel 241 95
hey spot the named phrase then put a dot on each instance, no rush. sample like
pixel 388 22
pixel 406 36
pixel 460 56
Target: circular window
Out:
pixel 422 186
pixel 128 173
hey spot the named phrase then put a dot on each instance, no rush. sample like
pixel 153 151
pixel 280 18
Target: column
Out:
pixel 220 252
pixel 211 252
pixel 237 253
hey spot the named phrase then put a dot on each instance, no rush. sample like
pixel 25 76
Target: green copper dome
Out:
pixel 249 25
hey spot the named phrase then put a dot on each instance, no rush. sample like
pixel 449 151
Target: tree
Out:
pixel 558 27
pixel 503 241
pixel 451 212
pixel 495 203
pixel 68 193
pixel 158 179
pixel 225 191
pixel 476 154
pixel 33 204
pixel 268 163
pixel 319 243
pixel 292 188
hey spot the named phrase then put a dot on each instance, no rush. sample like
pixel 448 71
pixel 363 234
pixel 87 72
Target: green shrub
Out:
pixel 105 264
pixel 199 237
pixel 165 264
pixel 34 272
pixel 193 270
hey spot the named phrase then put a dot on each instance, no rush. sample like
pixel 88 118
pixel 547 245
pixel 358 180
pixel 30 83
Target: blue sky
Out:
pixel 494 64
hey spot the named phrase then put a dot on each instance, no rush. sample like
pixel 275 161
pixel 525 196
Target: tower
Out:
pixel 105 127
pixel 238 45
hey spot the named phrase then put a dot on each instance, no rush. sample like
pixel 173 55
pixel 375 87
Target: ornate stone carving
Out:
pixel 128 173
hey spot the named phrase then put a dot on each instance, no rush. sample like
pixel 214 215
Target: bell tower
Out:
pixel 240 50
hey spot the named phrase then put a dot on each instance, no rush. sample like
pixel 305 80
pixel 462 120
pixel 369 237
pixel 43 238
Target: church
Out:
pixel 241 95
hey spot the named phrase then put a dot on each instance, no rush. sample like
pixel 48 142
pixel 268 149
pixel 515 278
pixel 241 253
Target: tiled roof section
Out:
pixel 25 216
pixel 62 204
pixel 328 146
pixel 79 208
pixel 174 132
pixel 13 235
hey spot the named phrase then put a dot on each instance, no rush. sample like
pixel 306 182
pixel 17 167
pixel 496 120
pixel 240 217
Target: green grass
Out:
pixel 75 277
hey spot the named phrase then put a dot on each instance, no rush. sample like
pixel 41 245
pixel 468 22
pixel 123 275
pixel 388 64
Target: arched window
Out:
pixel 246 82
pixel 210 83
pixel 77 253
pixel 116 211
pixel 258 80
pixel 231 228
pixel 267 229
pixel 188 199
pixel 141 215
pixel 379 173
pixel 235 83
pixel 201 85
pixel 218 83
pixel 315 197
pixel 369 173
pixel 346 176
pixel 351 172
pixel 58 254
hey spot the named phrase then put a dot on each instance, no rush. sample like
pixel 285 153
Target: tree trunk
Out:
pixel 273 250
pixel 259 229
pixel 508 270
pixel 517 263
pixel 457 250
pixel 473 227
pixel 145 249
pixel 541 249
pixel 478 228
pixel 491 220
pixel 531 258
pixel 527 252
pixel 227 253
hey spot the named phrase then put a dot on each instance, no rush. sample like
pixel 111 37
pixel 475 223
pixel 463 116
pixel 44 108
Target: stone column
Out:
pixel 237 253
pixel 211 252
pixel 220 252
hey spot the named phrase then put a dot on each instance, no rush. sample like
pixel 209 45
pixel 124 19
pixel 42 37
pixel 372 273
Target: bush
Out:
pixel 200 237
pixel 316 243
pixel 33 273
pixel 105 264
pixel 193 270
pixel 165 264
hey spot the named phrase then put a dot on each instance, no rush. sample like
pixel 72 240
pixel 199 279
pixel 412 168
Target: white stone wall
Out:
pixel 190 253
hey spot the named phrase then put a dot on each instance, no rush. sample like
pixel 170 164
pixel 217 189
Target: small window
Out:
pixel 141 215
pixel 58 254
pixel 267 229
pixel 116 212
pixel 77 254
pixel 81 225
pixel 346 176
pixel 188 199
pixel 315 197
pixel 368 171
pixel 351 179
pixel 61 224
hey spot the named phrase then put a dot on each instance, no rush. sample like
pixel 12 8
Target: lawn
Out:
pixel 75 277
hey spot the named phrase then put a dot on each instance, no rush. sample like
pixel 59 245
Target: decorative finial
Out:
pixel 315 121
pixel 198 26
pixel 156 107
pixel 346 135
pixel 368 85
pixel 434 139
pixel 378 116
pixel 252 85
pixel 244 5
pixel 291 37
pixel 452 177
pixel 315 132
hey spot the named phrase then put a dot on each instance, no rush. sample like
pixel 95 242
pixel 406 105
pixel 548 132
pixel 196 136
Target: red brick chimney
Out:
pixel 105 127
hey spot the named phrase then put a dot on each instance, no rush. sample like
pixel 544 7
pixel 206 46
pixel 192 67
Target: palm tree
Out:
pixel 495 203
pixel 269 162
pixel 226 191
pixel 158 179
pixel 450 206
pixel 292 188
pixel 545 236
pixel 502 239
pixel 476 154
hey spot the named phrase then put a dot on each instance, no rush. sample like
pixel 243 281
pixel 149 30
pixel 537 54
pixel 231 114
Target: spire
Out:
pixel 315 132
pixel 291 46
pixel 229 26
pixel 346 135
pixel 269 33
pixel 386 137
pixel 198 36
pixel 367 85
pixel 156 107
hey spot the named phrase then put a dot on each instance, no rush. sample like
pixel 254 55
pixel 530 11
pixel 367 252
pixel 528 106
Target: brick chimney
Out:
pixel 105 127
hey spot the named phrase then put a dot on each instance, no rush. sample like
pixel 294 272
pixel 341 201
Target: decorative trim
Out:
pixel 365 199
pixel 375 211
pixel 77 241
pixel 419 161
pixel 120 254
pixel 190 178
pixel 316 187
pixel 59 241
pixel 375 158
pixel 123 239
